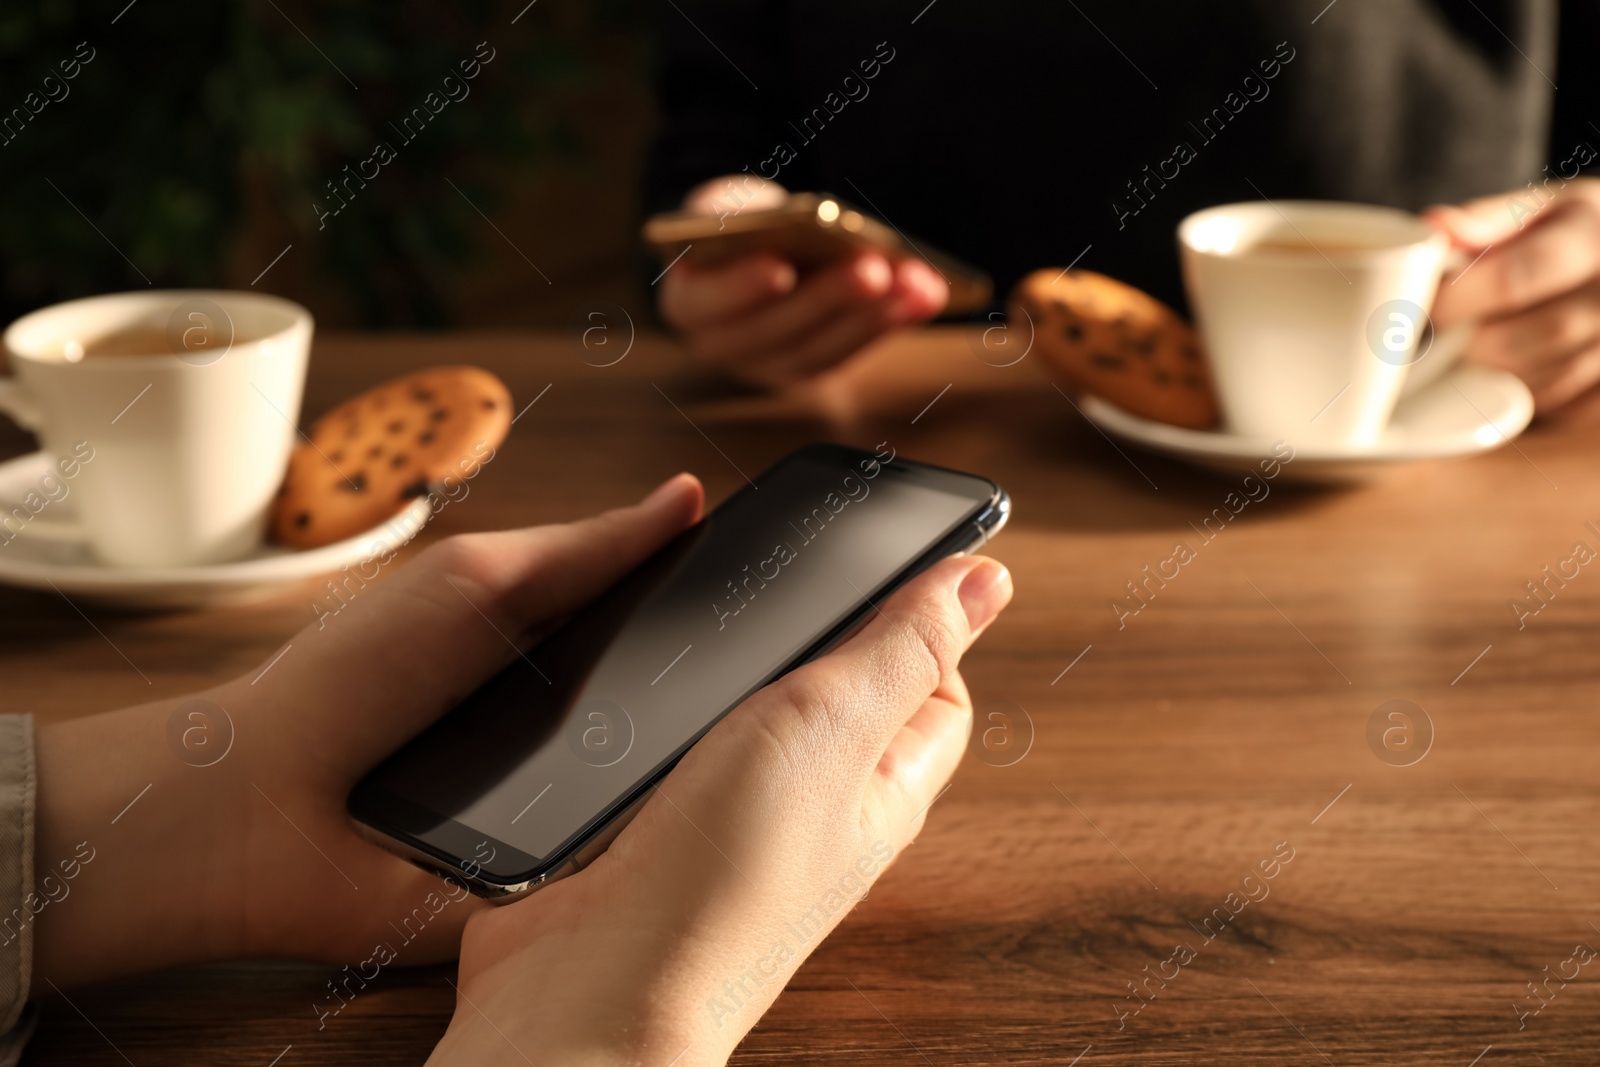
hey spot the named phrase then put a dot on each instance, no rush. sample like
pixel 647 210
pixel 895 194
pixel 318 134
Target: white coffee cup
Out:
pixel 1311 313
pixel 189 442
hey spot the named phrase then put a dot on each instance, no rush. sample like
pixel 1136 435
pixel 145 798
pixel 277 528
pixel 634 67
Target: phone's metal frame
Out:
pixel 813 229
pixel 971 535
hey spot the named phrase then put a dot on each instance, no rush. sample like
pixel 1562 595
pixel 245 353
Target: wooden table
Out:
pixel 1225 724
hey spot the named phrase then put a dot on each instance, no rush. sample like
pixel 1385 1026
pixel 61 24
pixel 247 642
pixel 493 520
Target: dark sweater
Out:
pixel 1018 134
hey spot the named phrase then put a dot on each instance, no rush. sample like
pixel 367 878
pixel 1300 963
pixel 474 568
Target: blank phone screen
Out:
pixel 581 722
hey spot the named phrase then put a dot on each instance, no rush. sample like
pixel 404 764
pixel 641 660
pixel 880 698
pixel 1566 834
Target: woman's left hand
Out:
pixel 224 836
pixel 1532 285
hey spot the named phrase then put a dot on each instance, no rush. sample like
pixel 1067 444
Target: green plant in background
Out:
pixel 200 139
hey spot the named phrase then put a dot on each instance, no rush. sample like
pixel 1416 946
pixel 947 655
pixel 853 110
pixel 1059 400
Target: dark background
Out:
pixel 191 150
pixel 199 137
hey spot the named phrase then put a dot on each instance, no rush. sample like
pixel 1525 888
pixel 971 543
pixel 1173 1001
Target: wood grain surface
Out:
pixel 1093 887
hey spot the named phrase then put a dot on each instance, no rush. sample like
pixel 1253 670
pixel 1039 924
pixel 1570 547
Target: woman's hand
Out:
pixel 254 855
pixel 759 320
pixel 1532 285
pixel 673 943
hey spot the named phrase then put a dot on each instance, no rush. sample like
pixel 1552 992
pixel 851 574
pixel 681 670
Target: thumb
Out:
pixel 1477 224
pixel 359 682
pixel 842 711
pixel 732 194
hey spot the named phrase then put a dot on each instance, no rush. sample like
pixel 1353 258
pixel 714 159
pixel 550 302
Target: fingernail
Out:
pixel 874 274
pixel 983 592
pixel 936 289
pixel 920 275
pixel 784 277
pixel 664 492
pixel 1447 219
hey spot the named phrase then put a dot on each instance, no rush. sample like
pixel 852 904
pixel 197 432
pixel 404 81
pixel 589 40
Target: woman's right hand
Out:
pixel 669 947
pixel 759 320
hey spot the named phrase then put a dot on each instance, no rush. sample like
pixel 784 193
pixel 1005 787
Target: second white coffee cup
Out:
pixel 1312 313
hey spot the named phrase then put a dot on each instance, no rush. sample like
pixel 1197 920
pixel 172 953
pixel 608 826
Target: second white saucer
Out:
pixel 1468 410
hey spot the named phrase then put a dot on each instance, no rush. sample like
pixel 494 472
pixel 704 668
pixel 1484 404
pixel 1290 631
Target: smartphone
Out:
pixel 810 230
pixel 529 779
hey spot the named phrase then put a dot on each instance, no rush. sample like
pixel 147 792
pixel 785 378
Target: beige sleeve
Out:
pixel 17 788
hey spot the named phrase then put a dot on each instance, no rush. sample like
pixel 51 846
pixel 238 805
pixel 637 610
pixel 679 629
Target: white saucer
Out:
pixel 1468 410
pixel 65 564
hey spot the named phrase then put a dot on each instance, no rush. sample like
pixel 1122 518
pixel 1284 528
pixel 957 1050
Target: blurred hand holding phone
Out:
pixel 774 287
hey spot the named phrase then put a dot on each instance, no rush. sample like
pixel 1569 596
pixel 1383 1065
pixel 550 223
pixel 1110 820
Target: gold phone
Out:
pixel 810 230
